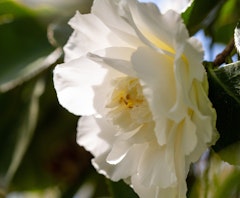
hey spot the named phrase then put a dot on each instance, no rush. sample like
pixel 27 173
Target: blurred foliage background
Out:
pixel 39 156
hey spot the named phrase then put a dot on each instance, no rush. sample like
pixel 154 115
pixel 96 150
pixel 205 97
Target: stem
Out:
pixel 221 58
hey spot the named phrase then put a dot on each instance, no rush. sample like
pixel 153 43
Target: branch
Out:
pixel 220 58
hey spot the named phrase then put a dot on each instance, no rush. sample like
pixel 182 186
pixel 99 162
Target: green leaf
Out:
pixel 230 186
pixel 10 10
pixel 228 78
pixel 224 92
pixel 26 130
pixel 215 178
pixel 222 29
pixel 20 110
pixel 200 14
pixel 17 76
pixel 94 185
pixel 53 157
pixel 121 189
pixel 24 46
pixel 230 154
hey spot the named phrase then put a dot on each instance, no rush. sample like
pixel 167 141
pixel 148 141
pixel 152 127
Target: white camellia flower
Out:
pixel 136 78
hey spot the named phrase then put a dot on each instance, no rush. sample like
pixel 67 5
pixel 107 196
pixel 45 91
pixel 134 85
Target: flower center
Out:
pixel 127 106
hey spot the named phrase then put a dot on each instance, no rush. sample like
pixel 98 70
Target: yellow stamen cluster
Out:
pixel 127 106
pixel 128 101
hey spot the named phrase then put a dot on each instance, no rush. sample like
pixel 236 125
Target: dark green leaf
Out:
pixel 230 186
pixel 222 28
pixel 121 189
pixel 24 46
pixel 10 10
pixel 20 110
pixel 53 157
pixel 224 92
pixel 230 154
pixel 26 130
pixel 228 78
pixel 19 75
pixel 215 178
pixel 200 14
pixel 93 186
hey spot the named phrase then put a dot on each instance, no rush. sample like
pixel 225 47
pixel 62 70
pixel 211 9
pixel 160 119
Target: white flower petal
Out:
pixel 155 72
pixel 158 84
pixel 112 19
pixel 188 55
pixel 189 137
pixel 123 169
pixel 116 57
pixel 193 52
pixel 90 131
pixel 118 152
pixel 96 135
pixel 155 169
pixel 152 191
pixel 84 39
pixel 205 118
pixel 149 21
pixel 74 82
pixel 176 152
